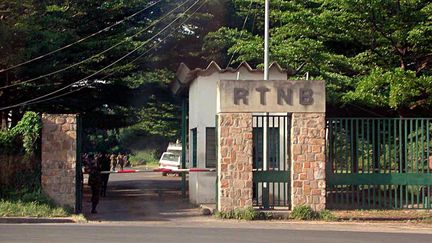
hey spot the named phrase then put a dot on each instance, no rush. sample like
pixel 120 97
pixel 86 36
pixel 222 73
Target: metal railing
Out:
pixel 379 163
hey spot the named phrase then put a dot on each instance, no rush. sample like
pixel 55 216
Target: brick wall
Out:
pixel 59 157
pixel 235 161
pixel 308 160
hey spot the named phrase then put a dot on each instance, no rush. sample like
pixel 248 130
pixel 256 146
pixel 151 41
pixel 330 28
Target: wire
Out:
pixel 80 40
pixel 95 55
pixel 104 68
pixel 108 75
pixel 241 32
pixel 166 37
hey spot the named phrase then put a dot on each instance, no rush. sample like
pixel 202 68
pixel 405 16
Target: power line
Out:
pixel 104 68
pixel 98 54
pixel 80 40
pixel 108 75
pixel 241 32
pixel 163 39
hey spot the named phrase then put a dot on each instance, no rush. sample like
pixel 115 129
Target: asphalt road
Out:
pixel 178 234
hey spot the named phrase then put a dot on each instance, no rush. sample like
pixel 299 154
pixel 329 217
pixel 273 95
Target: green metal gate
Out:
pixel 78 167
pixel 271 167
pixel 379 163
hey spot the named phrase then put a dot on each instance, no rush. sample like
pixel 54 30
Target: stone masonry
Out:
pixel 308 160
pixel 59 157
pixel 235 161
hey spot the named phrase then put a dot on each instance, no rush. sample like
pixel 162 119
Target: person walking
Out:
pixel 120 161
pixel 113 159
pixel 105 165
pixel 94 181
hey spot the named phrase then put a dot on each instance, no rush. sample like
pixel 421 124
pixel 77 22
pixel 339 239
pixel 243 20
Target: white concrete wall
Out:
pixel 202 187
pixel 202 104
pixel 202 114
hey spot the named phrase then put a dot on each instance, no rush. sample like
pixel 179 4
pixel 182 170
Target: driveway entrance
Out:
pixel 141 197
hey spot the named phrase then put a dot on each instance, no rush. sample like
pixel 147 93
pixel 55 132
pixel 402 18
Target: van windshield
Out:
pixel 170 157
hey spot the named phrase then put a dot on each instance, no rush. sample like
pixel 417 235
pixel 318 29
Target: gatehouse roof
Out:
pixel 185 76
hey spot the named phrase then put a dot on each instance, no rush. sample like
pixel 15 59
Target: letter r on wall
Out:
pixel 241 94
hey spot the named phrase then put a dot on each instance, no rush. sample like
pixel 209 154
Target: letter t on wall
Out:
pixel 262 90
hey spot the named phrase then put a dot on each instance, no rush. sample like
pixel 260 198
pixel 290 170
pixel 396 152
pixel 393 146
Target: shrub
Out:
pixel 304 212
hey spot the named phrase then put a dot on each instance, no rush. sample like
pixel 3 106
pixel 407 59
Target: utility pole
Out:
pixel 265 192
pixel 266 40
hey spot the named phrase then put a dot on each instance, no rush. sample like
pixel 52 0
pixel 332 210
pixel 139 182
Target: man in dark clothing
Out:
pixel 95 182
pixel 105 166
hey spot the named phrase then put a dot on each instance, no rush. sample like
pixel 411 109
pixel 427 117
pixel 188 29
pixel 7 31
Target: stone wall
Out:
pixel 308 160
pixel 59 157
pixel 235 161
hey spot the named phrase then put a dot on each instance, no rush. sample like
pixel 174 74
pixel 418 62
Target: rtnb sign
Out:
pixel 271 96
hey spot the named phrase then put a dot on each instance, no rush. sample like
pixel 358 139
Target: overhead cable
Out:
pixel 104 68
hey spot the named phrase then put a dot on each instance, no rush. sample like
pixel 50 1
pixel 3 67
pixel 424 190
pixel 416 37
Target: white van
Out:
pixel 171 159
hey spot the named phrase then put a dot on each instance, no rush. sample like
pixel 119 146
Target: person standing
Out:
pixel 105 166
pixel 94 181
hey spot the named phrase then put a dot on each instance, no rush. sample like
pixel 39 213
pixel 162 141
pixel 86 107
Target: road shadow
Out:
pixel 141 197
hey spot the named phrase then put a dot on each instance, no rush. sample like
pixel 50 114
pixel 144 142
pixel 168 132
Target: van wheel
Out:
pixel 164 174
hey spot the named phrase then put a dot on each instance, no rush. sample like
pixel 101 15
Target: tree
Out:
pixel 33 28
pixel 375 53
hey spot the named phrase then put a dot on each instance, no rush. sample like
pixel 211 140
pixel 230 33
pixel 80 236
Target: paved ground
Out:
pixel 148 208
pixel 141 197
pixel 157 233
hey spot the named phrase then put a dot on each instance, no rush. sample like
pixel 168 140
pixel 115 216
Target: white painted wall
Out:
pixel 202 114
pixel 202 104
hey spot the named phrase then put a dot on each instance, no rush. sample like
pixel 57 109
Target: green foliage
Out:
pixel 30 204
pixel 128 92
pixel 376 53
pixel 248 213
pixel 146 157
pixel 304 212
pixel 27 132
pixel 397 88
pixel 30 209
pixel 326 215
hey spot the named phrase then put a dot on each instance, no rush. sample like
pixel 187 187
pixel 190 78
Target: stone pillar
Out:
pixel 234 161
pixel 308 160
pixel 59 158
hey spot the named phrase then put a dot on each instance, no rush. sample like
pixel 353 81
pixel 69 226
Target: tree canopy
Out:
pixel 375 54
pixel 134 90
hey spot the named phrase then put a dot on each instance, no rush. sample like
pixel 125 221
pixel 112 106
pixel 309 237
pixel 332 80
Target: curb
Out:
pixel 33 220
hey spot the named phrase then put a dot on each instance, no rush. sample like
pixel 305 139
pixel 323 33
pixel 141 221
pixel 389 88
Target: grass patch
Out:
pixel 304 212
pixel 144 157
pixel 248 214
pixel 30 204
pixel 79 218
pixel 326 215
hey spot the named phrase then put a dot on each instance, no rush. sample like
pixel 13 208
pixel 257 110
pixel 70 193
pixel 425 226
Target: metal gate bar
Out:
pixel 271 171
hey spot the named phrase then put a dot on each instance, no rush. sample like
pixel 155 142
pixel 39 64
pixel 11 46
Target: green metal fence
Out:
pixel 379 163
pixel 270 136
